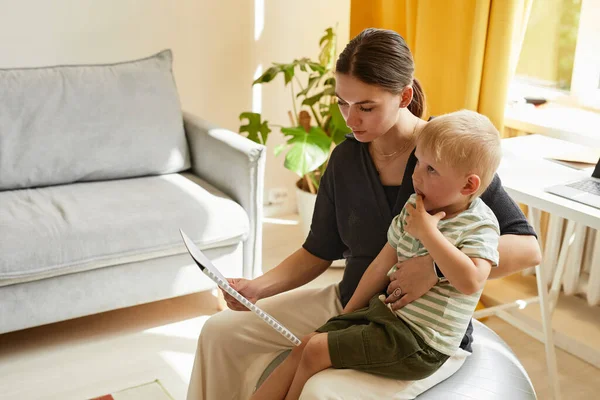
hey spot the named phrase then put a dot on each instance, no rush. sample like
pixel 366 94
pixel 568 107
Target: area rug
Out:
pixel 147 391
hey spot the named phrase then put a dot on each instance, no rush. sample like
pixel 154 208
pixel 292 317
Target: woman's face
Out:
pixel 369 110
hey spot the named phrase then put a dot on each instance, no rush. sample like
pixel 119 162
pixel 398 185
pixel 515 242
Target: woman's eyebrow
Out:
pixel 360 102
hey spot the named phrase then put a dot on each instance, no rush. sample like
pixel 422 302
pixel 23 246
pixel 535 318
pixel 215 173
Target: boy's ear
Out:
pixel 472 185
pixel 406 96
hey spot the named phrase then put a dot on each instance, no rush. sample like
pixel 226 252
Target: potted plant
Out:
pixel 315 122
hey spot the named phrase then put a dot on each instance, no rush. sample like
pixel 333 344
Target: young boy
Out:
pixel 457 156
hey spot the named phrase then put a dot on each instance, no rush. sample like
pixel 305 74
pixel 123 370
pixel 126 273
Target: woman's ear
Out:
pixel 472 185
pixel 406 96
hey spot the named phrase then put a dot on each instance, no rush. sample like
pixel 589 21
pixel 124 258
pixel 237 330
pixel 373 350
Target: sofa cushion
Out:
pixel 90 122
pixel 55 230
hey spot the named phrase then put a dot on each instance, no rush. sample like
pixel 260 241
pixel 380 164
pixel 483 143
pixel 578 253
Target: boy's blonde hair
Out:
pixel 465 140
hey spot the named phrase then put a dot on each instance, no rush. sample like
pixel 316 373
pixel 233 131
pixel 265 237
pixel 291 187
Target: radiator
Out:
pixel 581 274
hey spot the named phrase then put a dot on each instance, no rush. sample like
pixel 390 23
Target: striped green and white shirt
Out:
pixel 442 315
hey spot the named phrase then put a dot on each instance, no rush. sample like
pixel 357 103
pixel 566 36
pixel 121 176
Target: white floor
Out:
pixel 92 356
pixel 100 354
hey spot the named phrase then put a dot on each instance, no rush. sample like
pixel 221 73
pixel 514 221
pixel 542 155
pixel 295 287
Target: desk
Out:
pixel 525 173
pixel 562 122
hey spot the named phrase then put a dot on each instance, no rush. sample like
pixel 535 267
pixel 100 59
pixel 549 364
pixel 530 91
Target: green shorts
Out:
pixel 375 340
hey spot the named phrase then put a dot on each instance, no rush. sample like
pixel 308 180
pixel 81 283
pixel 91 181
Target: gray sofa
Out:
pixel 99 169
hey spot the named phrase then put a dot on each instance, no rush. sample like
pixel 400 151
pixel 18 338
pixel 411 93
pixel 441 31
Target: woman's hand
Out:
pixel 246 288
pixel 413 278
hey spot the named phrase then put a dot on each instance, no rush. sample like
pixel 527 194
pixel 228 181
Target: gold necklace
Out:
pixel 383 155
pixel 399 152
pixel 387 162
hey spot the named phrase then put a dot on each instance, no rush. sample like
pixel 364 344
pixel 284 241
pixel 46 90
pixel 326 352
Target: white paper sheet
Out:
pixel 211 271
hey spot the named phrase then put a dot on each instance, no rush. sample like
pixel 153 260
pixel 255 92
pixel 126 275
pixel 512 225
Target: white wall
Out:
pixel 213 41
pixel 210 42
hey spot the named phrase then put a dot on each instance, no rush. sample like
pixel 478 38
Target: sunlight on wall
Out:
pixel 257 92
pixel 259 25
pixel 259 18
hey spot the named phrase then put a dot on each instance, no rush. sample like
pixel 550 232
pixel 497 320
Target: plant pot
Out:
pixel 306 205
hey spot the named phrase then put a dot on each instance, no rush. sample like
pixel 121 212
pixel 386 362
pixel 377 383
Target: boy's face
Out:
pixel 443 188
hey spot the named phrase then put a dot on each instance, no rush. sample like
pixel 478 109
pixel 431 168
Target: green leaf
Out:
pixel 309 101
pixel 308 150
pixel 268 75
pixel 258 131
pixel 329 82
pixel 302 64
pixel 338 128
pixel 327 55
pixel 317 67
pixel 324 109
pixel 329 91
pixel 288 72
pixel 312 81
pixel 328 36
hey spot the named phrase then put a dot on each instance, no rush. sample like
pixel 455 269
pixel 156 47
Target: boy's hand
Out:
pixel 419 222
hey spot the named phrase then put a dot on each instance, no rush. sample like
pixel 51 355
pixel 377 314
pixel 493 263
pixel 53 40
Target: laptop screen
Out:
pixel 596 173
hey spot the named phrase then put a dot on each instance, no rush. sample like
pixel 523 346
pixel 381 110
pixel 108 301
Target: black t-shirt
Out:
pixel 352 214
pixel 391 194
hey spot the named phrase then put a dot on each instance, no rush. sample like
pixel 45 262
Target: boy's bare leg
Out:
pixel 315 358
pixel 277 384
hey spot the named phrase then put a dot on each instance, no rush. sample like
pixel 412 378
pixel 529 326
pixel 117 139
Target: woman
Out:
pixel 367 181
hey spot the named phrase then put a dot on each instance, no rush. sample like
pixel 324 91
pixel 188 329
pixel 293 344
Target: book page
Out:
pixel 581 156
pixel 211 271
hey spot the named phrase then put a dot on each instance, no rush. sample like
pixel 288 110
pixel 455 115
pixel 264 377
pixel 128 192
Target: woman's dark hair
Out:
pixel 381 57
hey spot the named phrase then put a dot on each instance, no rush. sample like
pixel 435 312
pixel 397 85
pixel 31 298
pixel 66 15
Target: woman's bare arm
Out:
pixel 517 252
pixel 296 270
pixel 416 276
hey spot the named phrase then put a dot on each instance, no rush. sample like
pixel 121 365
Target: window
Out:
pixel 560 56
pixel 585 83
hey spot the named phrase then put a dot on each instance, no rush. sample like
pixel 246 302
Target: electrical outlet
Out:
pixel 277 196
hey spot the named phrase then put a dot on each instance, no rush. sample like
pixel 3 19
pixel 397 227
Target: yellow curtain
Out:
pixel 465 50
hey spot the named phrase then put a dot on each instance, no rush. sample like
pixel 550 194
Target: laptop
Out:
pixel 586 191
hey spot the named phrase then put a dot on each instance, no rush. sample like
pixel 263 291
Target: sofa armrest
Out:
pixel 236 166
